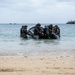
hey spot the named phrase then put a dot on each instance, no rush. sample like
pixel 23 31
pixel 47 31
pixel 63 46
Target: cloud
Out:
pixel 37 10
pixel 33 5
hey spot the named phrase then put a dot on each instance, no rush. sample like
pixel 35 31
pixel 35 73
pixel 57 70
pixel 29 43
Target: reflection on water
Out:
pixel 51 41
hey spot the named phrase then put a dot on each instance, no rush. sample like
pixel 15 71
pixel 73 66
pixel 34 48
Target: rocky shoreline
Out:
pixel 71 22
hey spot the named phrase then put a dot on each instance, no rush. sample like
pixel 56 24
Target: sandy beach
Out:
pixel 37 65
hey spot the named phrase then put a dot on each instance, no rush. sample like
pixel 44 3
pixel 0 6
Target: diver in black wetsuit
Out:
pixel 46 32
pixel 57 30
pixel 50 27
pixel 23 31
pixel 38 31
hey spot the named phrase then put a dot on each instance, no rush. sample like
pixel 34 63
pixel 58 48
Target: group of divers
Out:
pixel 38 32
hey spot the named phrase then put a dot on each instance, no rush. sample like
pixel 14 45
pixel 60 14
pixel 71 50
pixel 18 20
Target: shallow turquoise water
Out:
pixel 12 44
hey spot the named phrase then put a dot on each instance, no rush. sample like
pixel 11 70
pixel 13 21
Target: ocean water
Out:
pixel 12 44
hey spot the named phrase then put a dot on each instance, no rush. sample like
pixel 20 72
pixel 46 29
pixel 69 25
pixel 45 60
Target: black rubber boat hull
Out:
pixel 31 35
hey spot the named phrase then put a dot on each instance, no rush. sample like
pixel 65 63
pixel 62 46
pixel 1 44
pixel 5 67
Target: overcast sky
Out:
pixel 34 11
